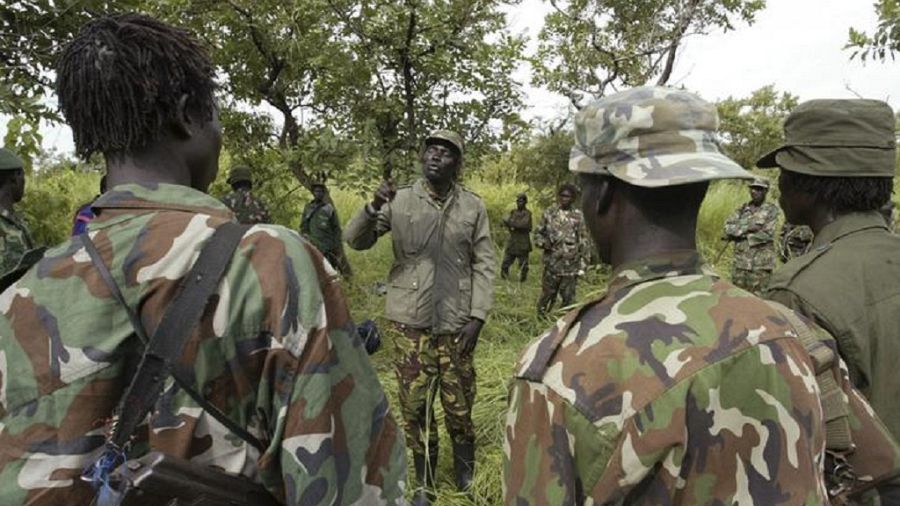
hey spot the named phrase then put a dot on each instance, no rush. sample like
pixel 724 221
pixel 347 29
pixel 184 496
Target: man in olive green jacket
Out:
pixel 440 289
pixel 837 169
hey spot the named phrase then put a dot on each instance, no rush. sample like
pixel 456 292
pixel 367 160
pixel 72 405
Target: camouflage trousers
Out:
pixel 426 365
pixel 508 259
pixel 553 285
pixel 754 281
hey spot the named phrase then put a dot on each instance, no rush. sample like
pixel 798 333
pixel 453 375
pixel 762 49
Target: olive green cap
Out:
pixel 239 173
pixel 651 136
pixel 760 183
pixel 10 161
pixel 837 138
pixel 448 136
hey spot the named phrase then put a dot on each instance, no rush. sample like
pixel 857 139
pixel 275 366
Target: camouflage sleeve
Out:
pixel 541 241
pixel 12 248
pixel 551 452
pixel 483 267
pixel 335 440
pixel 735 226
pixel 762 226
pixel 365 228
pixel 877 454
pixel 586 244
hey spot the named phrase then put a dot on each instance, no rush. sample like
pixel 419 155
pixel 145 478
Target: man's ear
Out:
pixel 181 123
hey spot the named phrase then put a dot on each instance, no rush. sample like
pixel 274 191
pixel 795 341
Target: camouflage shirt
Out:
pixel 247 208
pixel 673 388
pixel 795 241
pixel 565 241
pixel 14 239
pixel 753 230
pixel 277 354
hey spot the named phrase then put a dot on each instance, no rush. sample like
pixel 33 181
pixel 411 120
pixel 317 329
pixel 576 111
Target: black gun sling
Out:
pixel 162 351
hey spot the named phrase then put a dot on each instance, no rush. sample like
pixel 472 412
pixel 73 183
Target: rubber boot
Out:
pixel 424 495
pixel 463 465
pixel 504 273
pixel 523 276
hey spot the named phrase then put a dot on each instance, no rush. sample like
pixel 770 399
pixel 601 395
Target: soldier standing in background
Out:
pixel 889 211
pixel 564 240
pixel 440 289
pixel 15 240
pixel 837 169
pixel 752 228
pixel 795 241
pixel 519 244
pixel 321 225
pixel 674 387
pixel 274 387
pixel 247 208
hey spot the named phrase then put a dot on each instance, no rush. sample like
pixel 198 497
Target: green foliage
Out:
pixel 587 46
pixel 52 196
pixel 541 162
pixel 750 127
pixel 884 41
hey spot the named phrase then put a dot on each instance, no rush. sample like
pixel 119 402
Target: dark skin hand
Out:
pixel 468 336
pixel 384 194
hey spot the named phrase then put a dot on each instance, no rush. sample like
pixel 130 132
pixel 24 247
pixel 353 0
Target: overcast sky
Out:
pixel 794 44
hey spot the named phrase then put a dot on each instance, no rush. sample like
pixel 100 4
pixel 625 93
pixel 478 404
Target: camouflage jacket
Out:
pixel 247 208
pixel 673 388
pixel 795 241
pixel 444 263
pixel 564 238
pixel 519 225
pixel 321 226
pixel 752 228
pixel 277 354
pixel 15 239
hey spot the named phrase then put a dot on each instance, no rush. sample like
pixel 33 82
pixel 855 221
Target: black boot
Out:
pixel 523 276
pixel 463 465
pixel 504 273
pixel 424 494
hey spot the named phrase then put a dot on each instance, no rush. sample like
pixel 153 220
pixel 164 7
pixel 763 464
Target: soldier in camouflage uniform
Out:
pixel 752 228
pixel 15 239
pixel 519 244
pixel 321 225
pixel 247 208
pixel 795 241
pixel 564 240
pixel 275 351
pixel 674 387
pixel 440 289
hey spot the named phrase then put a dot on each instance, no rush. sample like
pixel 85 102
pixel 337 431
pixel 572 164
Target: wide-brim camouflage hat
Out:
pixel 837 138
pixel 651 136
pixel 447 136
pixel 10 161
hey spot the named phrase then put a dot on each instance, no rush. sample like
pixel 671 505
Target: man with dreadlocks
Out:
pixel 272 358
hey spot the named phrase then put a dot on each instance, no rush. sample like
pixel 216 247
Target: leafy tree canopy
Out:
pixel 884 40
pixel 752 126
pixel 589 46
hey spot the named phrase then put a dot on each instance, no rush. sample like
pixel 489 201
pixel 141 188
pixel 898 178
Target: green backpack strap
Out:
pixel 835 408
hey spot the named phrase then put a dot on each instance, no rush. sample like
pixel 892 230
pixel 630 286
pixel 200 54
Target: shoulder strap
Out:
pixel 835 410
pixel 167 343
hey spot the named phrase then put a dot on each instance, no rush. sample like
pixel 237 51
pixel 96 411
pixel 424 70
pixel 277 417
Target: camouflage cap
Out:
pixel 447 136
pixel 10 161
pixel 837 138
pixel 651 136
pixel 760 183
pixel 239 173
